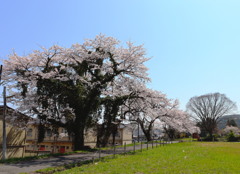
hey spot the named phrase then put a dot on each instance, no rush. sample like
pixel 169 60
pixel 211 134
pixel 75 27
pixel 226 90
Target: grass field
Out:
pixel 184 158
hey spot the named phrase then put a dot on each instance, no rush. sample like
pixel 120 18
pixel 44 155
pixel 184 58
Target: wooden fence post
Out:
pixel 114 150
pixel 134 147
pixel 125 148
pixel 99 151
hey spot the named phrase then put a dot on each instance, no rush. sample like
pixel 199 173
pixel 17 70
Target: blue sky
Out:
pixel 194 45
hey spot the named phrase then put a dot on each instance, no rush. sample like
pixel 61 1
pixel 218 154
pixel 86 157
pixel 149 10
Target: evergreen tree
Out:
pixel 231 122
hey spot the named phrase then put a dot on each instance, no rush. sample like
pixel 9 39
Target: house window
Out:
pixel 64 131
pixel 48 133
pixel 118 134
pixel 29 132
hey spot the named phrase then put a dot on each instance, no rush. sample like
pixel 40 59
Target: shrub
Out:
pixel 231 137
pixel 209 138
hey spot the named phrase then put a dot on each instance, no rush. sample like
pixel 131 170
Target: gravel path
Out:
pixel 33 165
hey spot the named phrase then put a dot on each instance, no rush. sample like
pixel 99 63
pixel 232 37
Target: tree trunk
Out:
pixel 78 140
pixel 113 138
pixel 104 135
pixel 210 136
pixel 146 131
pixel 114 132
pixel 78 134
pixel 147 135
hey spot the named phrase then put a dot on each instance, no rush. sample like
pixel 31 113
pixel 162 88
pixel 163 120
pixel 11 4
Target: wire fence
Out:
pixel 114 150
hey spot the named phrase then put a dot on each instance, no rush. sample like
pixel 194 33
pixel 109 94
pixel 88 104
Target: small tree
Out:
pixel 231 137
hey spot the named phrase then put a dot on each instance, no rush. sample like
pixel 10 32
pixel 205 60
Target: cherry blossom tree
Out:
pixel 152 108
pixel 65 86
pixel 178 121
pixel 76 87
pixel 147 108
pixel 233 129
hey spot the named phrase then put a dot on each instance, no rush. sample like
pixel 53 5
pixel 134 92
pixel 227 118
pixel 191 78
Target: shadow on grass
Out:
pixel 52 170
pixel 29 158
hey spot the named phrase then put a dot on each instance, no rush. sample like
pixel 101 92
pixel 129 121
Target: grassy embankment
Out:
pixel 189 157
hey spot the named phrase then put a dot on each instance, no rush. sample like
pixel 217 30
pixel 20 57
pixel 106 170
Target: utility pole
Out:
pixel 4 144
pixel 4 140
pixel 138 133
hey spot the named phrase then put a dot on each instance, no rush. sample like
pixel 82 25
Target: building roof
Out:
pixel 14 117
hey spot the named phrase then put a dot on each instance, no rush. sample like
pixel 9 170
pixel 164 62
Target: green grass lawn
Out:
pixel 188 157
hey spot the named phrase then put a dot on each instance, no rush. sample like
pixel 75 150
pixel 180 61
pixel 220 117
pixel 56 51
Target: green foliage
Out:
pixel 231 137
